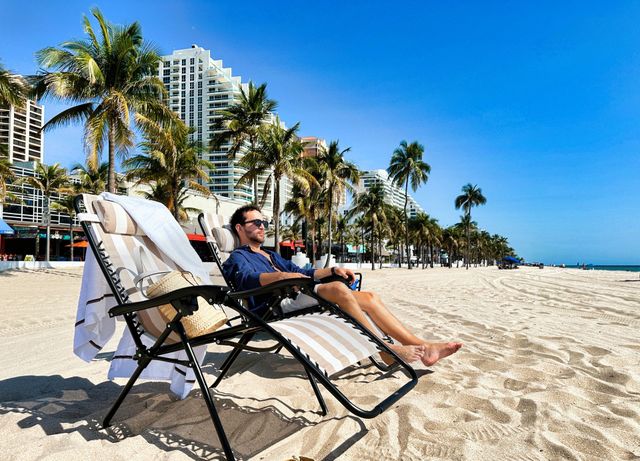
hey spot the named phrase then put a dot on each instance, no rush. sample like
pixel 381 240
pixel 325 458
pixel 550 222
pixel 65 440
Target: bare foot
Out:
pixel 407 353
pixel 436 351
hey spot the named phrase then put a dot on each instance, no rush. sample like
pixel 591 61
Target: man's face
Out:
pixel 249 232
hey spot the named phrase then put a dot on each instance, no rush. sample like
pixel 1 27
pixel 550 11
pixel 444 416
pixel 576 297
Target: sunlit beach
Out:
pixel 319 232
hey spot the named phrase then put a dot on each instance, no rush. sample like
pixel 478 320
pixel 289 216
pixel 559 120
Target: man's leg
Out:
pixel 338 293
pixel 372 304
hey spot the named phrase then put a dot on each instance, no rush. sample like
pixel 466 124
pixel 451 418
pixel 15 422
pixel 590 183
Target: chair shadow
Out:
pixel 55 403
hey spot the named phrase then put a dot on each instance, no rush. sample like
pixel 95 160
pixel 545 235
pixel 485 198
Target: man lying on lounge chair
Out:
pixel 250 266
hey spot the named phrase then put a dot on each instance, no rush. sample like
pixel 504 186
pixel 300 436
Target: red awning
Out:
pixel 290 244
pixel 80 244
pixel 196 237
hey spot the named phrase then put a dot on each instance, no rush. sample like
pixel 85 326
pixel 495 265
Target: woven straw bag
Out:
pixel 206 319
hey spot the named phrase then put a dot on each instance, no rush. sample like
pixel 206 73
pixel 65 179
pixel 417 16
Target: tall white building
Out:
pixel 393 194
pixel 20 132
pixel 199 87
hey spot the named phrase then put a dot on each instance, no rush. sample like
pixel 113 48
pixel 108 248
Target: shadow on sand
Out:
pixel 55 403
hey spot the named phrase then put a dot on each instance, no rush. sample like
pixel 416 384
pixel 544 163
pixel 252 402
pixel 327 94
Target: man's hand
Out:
pixel 345 273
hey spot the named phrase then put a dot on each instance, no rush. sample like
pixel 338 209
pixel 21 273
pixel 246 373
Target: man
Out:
pixel 251 266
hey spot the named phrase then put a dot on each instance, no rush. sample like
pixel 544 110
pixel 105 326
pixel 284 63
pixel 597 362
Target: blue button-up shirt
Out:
pixel 244 266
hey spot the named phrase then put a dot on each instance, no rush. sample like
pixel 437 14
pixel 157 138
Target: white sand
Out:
pixel 550 370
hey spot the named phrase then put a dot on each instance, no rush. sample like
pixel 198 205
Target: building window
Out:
pixel 191 61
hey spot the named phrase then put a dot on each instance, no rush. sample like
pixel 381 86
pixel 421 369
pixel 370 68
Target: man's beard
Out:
pixel 257 238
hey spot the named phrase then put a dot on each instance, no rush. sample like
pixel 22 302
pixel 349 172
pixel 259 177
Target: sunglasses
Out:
pixel 258 223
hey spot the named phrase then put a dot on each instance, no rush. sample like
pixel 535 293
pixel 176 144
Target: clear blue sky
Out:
pixel 538 103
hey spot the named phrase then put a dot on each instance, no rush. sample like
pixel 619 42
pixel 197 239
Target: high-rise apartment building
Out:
pixel 393 194
pixel 20 132
pixel 198 88
pixel 312 146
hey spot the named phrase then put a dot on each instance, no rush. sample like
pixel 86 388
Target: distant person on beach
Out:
pixel 251 266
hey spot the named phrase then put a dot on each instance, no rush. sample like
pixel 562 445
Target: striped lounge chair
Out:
pixel 322 339
pixel 221 241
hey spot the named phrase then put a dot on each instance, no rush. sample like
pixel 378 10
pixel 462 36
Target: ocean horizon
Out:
pixel 607 267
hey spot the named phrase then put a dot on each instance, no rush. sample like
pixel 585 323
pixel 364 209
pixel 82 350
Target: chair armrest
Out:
pixel 285 286
pixel 213 293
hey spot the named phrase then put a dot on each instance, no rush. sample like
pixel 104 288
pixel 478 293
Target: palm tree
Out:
pixel 420 227
pixel 66 206
pixel 360 223
pixel 278 152
pixel 160 192
pixel 92 180
pixel 49 180
pixel 342 226
pixel 241 122
pixel 171 160
pixel 6 174
pixel 471 196
pixel 407 167
pixel 12 89
pixel 12 93
pixel 292 232
pixel 305 206
pixel 372 205
pixel 451 243
pixel 109 79
pixel 339 175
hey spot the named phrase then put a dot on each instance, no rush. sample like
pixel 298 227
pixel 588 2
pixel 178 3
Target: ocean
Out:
pixel 608 268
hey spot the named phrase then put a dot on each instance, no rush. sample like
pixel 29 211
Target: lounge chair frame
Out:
pixel 274 307
pixel 185 303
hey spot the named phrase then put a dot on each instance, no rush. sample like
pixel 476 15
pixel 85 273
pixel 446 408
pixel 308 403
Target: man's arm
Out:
pixel 326 272
pixel 269 277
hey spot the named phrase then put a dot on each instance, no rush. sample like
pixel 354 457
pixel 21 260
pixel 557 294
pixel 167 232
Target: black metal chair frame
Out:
pixel 185 303
pixel 274 309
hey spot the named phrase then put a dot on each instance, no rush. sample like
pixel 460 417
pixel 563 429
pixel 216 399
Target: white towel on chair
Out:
pixel 94 328
pixel 156 221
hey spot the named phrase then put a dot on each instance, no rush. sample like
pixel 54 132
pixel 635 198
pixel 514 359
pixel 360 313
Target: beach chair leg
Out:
pixel 316 390
pixel 226 365
pixel 206 394
pixel 134 377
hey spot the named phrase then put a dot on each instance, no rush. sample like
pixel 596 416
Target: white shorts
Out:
pixel 300 302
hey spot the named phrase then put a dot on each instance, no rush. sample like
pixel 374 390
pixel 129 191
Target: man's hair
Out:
pixel 238 216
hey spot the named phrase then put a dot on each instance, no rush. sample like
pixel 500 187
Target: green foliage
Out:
pixel 170 163
pixel 108 77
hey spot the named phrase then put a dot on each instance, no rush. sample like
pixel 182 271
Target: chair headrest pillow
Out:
pixel 114 219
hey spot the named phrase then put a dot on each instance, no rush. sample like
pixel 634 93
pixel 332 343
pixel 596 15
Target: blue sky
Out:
pixel 538 103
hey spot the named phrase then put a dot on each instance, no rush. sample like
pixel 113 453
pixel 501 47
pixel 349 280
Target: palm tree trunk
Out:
pixel 313 243
pixel 361 253
pixel 373 262
pixel 406 221
pixel 468 240
pixel 111 185
pixel 71 236
pixel 328 261
pixel 431 253
pixel 48 221
pixel 276 216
